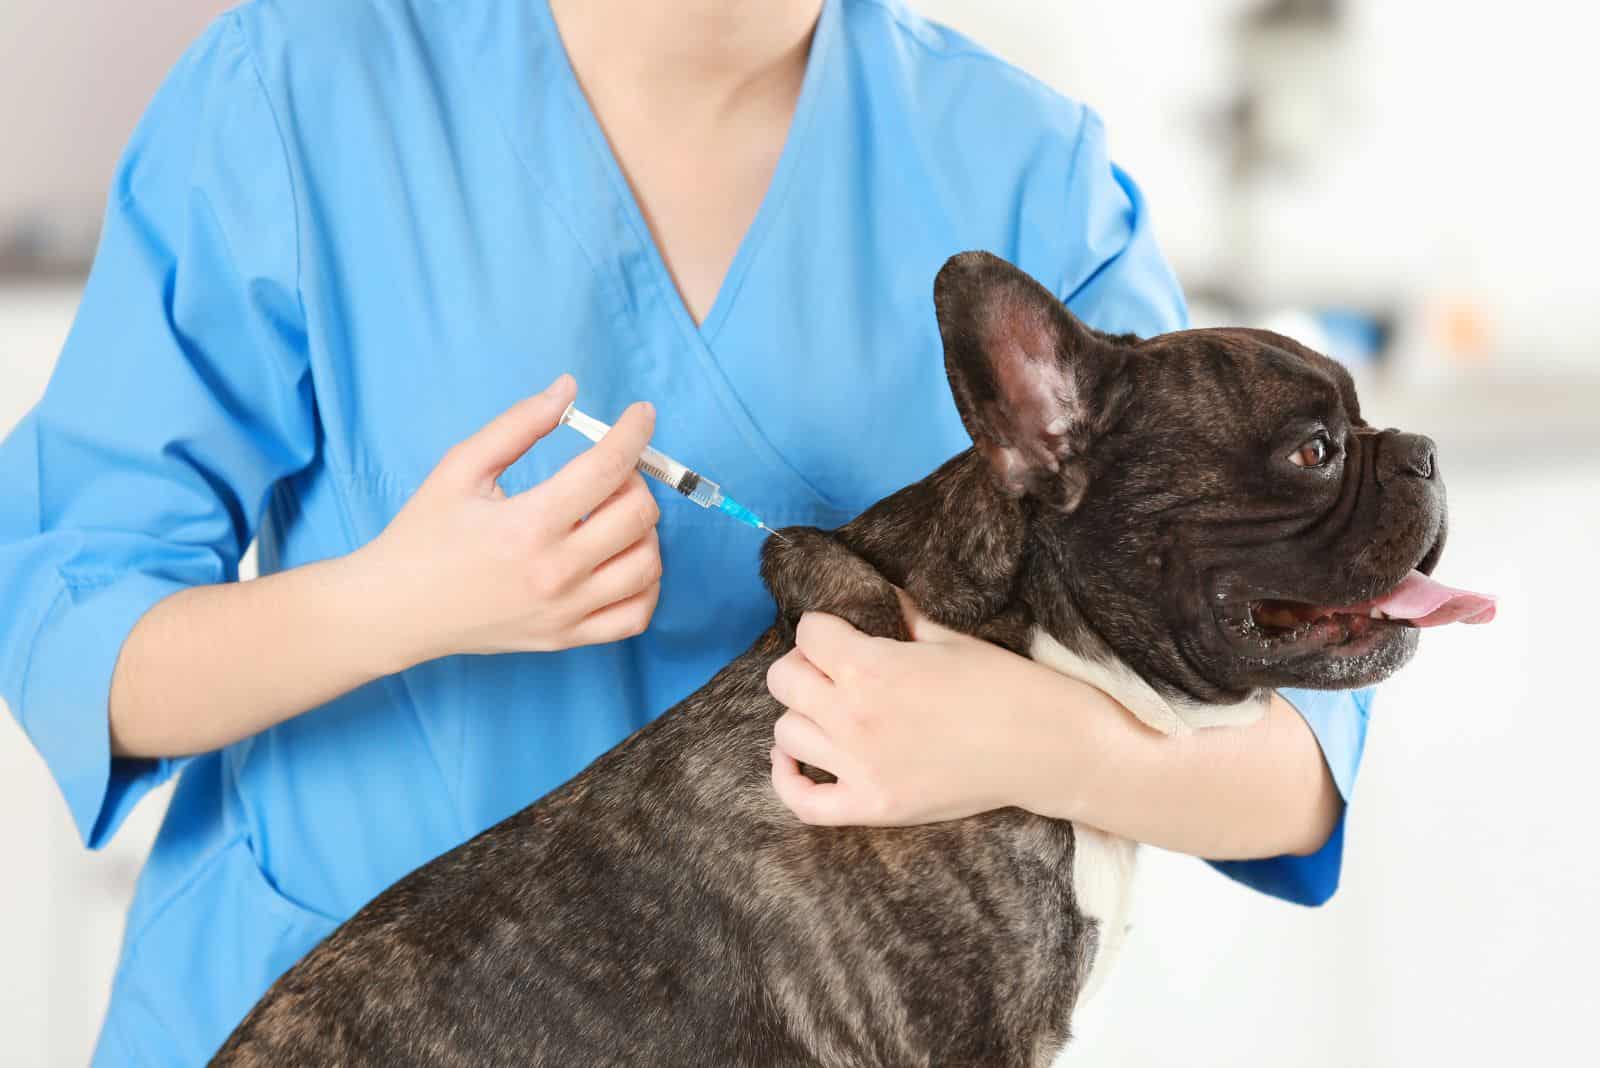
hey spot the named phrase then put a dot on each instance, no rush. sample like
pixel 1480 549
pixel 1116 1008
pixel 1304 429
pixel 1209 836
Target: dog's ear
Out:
pixel 1026 374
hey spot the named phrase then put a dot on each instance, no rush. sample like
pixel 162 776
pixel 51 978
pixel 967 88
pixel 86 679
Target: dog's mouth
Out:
pixel 1273 624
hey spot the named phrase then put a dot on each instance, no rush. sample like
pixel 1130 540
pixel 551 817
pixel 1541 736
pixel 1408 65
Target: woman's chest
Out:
pixel 818 391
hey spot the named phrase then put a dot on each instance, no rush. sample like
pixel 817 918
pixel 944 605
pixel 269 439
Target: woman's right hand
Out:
pixel 572 561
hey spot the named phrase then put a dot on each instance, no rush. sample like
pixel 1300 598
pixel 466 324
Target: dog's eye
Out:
pixel 1313 453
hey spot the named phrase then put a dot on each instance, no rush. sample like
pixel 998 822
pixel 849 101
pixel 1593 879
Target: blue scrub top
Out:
pixel 342 239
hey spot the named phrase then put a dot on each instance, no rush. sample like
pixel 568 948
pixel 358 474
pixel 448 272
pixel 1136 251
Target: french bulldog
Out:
pixel 1186 521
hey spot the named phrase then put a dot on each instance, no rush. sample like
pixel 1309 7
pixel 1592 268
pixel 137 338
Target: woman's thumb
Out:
pixel 919 626
pixel 484 456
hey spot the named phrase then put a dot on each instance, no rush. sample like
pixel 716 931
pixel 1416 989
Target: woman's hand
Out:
pixel 572 561
pixel 932 729
pixel 462 569
pixel 946 726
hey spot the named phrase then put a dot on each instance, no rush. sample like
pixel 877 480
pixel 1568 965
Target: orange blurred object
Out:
pixel 1462 329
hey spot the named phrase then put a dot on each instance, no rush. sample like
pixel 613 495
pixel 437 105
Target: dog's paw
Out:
pixel 810 570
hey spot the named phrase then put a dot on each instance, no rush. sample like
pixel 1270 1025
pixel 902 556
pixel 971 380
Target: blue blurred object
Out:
pixel 1354 338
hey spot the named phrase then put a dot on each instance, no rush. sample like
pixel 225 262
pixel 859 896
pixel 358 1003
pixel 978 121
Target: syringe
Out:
pixel 663 468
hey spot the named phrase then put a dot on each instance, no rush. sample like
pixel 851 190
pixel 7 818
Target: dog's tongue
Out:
pixel 1426 603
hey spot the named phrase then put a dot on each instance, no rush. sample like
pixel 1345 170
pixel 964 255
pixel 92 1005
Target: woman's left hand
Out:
pixel 932 729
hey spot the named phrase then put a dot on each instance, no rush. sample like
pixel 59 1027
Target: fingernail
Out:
pixel 555 387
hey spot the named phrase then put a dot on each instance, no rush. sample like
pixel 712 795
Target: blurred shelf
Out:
pixel 1483 412
pixel 1486 414
pixel 29 270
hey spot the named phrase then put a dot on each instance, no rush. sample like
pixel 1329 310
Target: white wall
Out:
pixel 1466 160
pixel 1462 161
pixel 74 78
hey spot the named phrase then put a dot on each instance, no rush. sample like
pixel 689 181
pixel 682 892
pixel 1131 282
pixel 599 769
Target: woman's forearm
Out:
pixel 1223 793
pixel 946 725
pixel 210 665
pixel 461 569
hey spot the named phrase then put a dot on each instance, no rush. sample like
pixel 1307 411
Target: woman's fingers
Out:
pixel 626 518
pixel 797 683
pixel 622 619
pixel 483 457
pixel 632 571
pixel 824 804
pixel 594 474
pixel 831 644
pixel 798 736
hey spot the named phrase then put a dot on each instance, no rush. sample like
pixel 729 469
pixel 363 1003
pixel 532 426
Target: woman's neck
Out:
pixel 690 58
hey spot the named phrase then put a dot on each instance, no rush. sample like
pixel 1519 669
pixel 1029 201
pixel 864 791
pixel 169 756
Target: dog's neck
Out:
pixel 954 541
pixel 967 553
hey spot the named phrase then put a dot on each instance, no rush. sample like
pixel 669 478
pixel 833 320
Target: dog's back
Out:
pixel 663 909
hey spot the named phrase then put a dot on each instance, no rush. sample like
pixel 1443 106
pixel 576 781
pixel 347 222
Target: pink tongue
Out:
pixel 1427 603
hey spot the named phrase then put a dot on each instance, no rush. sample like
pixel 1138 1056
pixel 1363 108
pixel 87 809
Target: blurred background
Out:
pixel 1406 185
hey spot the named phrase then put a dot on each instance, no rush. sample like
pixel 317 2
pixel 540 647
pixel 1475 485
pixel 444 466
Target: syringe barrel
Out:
pixel 705 493
pixel 700 490
pixel 658 465
pixel 663 468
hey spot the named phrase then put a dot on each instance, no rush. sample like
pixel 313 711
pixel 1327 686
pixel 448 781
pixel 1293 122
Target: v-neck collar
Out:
pixel 569 165
pixel 562 71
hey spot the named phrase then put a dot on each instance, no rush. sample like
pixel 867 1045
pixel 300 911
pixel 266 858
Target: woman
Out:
pixel 347 235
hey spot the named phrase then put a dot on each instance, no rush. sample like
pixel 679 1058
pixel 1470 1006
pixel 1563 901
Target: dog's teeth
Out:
pixel 1376 614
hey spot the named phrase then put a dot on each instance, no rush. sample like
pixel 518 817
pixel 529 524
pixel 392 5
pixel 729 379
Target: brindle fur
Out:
pixel 664 909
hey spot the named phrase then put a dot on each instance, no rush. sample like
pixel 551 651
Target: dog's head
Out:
pixel 1209 502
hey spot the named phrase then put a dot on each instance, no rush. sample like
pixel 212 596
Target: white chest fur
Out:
pixel 1102 864
pixel 1102 882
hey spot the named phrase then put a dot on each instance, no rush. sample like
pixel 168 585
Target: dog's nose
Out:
pixel 1408 455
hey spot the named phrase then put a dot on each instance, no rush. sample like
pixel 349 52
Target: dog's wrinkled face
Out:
pixel 1211 500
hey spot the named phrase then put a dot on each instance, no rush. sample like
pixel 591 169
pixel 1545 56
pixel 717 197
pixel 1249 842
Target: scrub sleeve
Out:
pixel 181 397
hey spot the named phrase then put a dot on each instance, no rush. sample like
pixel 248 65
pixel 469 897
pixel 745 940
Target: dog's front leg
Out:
pixel 811 570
